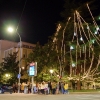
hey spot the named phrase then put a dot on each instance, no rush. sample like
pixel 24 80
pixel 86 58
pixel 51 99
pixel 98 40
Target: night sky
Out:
pixel 36 21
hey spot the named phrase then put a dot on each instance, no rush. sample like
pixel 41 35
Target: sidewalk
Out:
pixel 70 92
pixel 98 92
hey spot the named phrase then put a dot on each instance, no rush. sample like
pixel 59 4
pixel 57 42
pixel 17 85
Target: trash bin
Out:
pixel 26 90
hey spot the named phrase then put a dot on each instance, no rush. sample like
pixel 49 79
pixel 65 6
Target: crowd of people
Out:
pixel 42 87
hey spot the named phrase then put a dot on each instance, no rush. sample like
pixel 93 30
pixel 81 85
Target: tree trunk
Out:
pixel 78 85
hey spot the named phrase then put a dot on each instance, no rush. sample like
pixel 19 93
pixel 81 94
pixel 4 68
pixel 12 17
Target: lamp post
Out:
pixel 10 29
pixel 19 64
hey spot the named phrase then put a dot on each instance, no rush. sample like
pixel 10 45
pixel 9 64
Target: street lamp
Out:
pixel 11 30
pixel 51 71
pixel 7 75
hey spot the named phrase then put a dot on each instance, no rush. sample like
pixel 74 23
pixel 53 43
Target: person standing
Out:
pixel 57 88
pixel 39 88
pixel 53 87
pixel 22 87
pixel 16 87
pixel 46 88
pixel 42 87
pixel 49 87
pixel 29 87
pixel 66 88
pixel 13 87
pixel 62 87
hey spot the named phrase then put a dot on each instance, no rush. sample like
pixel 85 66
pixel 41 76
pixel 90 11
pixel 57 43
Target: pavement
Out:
pixel 98 92
pixel 70 96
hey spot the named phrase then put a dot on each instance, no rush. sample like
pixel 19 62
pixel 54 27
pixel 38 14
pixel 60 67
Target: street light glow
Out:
pixel 51 71
pixel 10 29
pixel 7 75
pixel 99 18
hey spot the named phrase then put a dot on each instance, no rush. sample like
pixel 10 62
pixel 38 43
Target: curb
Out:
pixel 84 92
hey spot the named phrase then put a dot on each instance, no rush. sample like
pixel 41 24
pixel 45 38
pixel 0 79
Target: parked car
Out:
pixel 6 88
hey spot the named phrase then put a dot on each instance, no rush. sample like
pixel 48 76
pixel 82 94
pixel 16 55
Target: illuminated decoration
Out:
pixel 62 47
pixel 87 27
pixel 81 39
pixel 93 41
pixel 97 28
pixel 54 39
pixel 81 47
pixel 71 47
pixel 74 34
pixel 99 18
pixel 95 32
pixel 73 64
pixel 23 68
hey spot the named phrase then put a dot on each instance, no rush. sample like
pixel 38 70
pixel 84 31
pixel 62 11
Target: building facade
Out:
pixel 8 47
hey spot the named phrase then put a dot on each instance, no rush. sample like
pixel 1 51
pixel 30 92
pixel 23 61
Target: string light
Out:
pixel 97 28
pixel 99 18
pixel 81 39
pixel 87 27
pixel 71 47
pixel 82 35
pixel 73 64
pixel 74 34
pixel 54 39
pixel 93 41
pixel 95 32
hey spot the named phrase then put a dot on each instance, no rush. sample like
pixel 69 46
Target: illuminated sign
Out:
pixel 31 70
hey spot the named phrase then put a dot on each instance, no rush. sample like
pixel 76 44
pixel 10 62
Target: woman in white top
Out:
pixel 42 87
pixel 46 88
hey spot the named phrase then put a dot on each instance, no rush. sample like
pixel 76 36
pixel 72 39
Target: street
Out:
pixel 16 96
